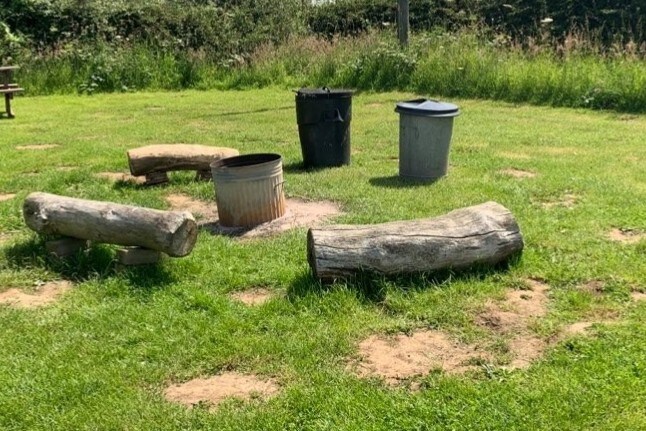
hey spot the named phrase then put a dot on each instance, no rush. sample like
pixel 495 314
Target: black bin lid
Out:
pixel 428 108
pixel 324 93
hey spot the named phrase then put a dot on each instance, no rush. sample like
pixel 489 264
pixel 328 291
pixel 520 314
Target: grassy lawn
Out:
pixel 102 356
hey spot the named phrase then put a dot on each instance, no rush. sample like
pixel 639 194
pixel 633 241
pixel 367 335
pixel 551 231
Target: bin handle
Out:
pixel 332 117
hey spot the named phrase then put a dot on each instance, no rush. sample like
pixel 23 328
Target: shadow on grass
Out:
pixel 254 111
pixel 299 168
pixel 95 263
pixel 397 182
pixel 372 287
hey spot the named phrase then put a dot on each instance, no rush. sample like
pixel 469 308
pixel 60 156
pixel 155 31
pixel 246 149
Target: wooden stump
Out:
pixel 137 256
pixel 482 234
pixel 171 232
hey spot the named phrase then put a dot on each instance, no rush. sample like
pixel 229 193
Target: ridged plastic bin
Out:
pixel 249 189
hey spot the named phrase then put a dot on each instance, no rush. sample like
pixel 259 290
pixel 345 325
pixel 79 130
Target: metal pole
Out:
pixel 403 21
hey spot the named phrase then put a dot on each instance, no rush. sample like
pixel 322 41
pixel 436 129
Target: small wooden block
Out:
pixel 156 178
pixel 65 247
pixel 137 256
pixel 203 176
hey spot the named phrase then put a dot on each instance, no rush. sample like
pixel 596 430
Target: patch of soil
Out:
pixel 638 296
pixel 255 296
pixel 214 390
pixel 516 156
pixel 568 200
pixel 594 287
pixel 44 295
pixel 559 151
pixel 37 147
pixel 7 196
pixel 518 173
pixel 626 236
pixel 402 356
pixel 374 105
pixel 4 237
pixel 121 177
pixel 66 168
pixel 512 318
pixel 577 328
pixel 298 213
pixel 201 210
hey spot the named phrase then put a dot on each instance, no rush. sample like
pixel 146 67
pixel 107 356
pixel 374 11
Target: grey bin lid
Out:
pixel 324 93
pixel 428 108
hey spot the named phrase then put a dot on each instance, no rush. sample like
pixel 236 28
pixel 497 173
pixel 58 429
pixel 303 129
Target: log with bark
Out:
pixel 171 232
pixel 482 234
pixel 175 157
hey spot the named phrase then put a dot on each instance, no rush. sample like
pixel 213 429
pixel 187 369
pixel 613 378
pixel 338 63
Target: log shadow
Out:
pixel 397 182
pixel 94 263
pixel 372 287
pixel 253 111
pixel 299 168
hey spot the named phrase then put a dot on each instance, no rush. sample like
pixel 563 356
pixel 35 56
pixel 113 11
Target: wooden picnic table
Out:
pixel 8 87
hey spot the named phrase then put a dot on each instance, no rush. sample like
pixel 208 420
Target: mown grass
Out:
pixel 102 356
pixel 575 72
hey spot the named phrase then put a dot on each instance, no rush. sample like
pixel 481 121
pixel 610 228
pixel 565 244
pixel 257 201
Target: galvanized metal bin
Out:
pixel 249 189
pixel 425 130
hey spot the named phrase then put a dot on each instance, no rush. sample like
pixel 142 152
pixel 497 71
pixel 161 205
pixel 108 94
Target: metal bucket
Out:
pixel 249 189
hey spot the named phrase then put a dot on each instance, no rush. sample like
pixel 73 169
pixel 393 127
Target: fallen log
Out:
pixel 481 234
pixel 175 157
pixel 171 232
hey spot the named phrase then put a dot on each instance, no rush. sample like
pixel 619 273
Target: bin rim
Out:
pixel 323 93
pixel 427 108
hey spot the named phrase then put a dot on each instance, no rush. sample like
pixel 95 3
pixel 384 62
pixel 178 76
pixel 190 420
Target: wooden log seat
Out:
pixel 170 232
pixel 482 234
pixel 155 161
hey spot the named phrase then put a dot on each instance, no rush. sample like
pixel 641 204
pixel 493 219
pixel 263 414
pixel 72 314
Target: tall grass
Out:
pixel 573 73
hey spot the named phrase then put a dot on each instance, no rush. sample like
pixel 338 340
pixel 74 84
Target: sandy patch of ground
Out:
pixel 374 105
pixel 626 236
pixel 568 200
pixel 638 296
pixel 120 177
pixel 298 213
pixel 559 151
pixel 595 287
pixel 254 296
pixel 66 168
pixel 7 196
pixel 515 156
pixel 44 295
pixel 37 147
pixel 214 390
pixel 201 210
pixel 400 357
pixel 5 237
pixel 518 173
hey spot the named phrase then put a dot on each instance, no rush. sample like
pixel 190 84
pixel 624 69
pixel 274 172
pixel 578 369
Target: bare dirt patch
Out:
pixel 626 236
pixel 298 213
pixel 6 196
pixel 559 151
pixel 66 168
pixel 513 317
pixel 37 147
pixel 403 356
pixel 5 237
pixel 120 177
pixel 201 210
pixel 638 296
pixel 595 287
pixel 515 156
pixel 568 200
pixel 518 173
pixel 254 296
pixel 44 295
pixel 214 390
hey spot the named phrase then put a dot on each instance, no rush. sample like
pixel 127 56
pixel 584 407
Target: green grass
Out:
pixel 102 356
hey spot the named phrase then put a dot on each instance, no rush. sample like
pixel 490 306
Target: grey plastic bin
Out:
pixel 425 130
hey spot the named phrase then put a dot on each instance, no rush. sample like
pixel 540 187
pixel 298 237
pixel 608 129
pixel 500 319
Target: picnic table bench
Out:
pixel 8 88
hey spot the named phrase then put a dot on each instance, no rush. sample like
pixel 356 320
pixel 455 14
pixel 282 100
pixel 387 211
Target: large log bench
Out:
pixel 154 161
pixel 78 221
pixel 8 88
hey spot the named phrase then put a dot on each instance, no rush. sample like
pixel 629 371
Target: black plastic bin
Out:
pixel 323 116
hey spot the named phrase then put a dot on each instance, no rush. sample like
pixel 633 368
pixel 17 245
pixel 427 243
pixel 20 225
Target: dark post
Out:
pixel 402 21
